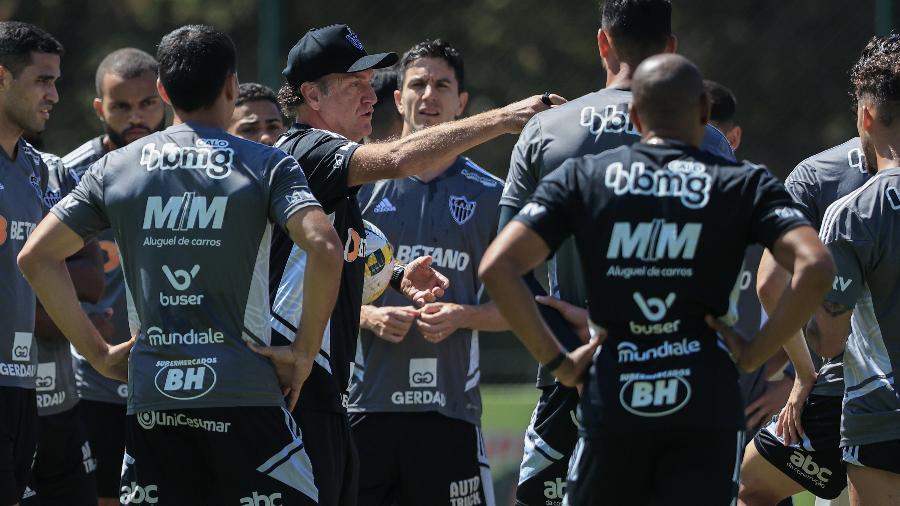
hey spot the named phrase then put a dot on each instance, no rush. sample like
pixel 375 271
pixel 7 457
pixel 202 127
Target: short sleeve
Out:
pixel 801 185
pixel 850 244
pixel 524 166
pixel 555 206
pixel 83 209
pixel 326 166
pixel 289 191
pixel 774 212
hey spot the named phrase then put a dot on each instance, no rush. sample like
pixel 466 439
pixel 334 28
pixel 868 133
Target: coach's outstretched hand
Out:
pixel 291 367
pixel 421 283
pixel 518 113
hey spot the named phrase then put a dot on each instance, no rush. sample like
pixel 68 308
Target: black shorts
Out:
pixel 334 460
pixel 105 426
pixel 815 464
pixel 672 467
pixel 216 456
pixel 18 441
pixel 549 441
pixel 63 473
pixel 417 459
pixel 884 455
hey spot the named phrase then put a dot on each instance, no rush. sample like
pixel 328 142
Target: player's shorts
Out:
pixel 105 426
pixel 884 455
pixel 18 441
pixel 63 473
pixel 815 463
pixel 672 467
pixel 416 459
pixel 549 441
pixel 330 447
pixel 216 456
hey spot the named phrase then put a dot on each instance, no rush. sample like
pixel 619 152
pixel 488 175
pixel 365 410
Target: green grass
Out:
pixel 507 410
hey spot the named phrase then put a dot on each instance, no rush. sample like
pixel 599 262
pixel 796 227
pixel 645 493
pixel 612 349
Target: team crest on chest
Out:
pixel 461 209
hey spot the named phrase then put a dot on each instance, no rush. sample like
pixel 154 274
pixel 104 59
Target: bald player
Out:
pixel 660 411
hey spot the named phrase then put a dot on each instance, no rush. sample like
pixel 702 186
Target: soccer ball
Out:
pixel 380 262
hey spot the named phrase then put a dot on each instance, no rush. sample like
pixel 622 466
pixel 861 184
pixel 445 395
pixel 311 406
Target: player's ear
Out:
pixel 162 92
pixel 98 108
pixel 311 95
pixel 635 120
pixel 231 88
pixel 734 137
pixel 463 100
pixel 867 117
pixel 671 44
pixel 397 102
pixel 603 44
pixel 6 77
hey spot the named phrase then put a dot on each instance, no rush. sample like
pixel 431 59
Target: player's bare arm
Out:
pixel 86 270
pixel 515 251
pixel 43 262
pixel 312 231
pixel 440 144
pixel 828 330
pixel 799 251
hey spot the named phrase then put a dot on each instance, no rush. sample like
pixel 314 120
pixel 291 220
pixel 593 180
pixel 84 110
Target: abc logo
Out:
pixel 258 499
pixel 136 494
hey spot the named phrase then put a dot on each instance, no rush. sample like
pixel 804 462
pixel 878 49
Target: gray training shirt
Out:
pixel 862 232
pixel 55 381
pixel 587 125
pixel 814 185
pixel 21 209
pixel 452 218
pixel 193 209
pixel 92 385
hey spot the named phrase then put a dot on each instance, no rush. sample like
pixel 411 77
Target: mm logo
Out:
pixel 186 212
pixel 655 398
pixel 655 240
pixel 185 383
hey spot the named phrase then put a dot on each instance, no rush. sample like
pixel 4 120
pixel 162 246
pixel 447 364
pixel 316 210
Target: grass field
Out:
pixel 507 410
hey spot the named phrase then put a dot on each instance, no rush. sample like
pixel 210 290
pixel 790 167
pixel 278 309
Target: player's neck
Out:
pixel 621 79
pixel 108 144
pixel 9 136
pixel 209 118
pixel 661 135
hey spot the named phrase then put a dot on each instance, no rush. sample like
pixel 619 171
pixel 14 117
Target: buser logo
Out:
pixel 180 279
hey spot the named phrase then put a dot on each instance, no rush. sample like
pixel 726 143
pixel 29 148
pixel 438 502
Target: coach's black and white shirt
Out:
pixel 325 159
pixel 661 230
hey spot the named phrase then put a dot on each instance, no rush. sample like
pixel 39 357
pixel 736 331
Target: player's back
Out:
pixel 863 232
pixel 192 210
pixel 661 230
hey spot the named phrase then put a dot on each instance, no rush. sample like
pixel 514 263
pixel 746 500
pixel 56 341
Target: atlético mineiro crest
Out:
pixel 461 209
pixel 36 184
pixel 354 39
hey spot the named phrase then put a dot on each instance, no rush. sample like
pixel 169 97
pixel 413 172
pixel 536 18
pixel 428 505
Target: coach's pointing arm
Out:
pixel 440 144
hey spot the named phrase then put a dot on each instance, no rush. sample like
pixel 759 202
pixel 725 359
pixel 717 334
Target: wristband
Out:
pixel 397 276
pixel 545 98
pixel 555 363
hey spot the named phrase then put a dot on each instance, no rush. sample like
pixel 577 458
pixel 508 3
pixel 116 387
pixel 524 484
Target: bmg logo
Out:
pixel 423 372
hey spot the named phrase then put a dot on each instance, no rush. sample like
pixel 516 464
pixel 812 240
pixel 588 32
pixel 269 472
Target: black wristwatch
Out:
pixel 397 275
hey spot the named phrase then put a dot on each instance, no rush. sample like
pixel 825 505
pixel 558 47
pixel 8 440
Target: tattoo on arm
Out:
pixel 835 309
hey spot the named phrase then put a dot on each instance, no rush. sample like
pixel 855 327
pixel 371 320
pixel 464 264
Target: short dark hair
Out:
pixel 436 48
pixel 385 83
pixel 126 63
pixel 18 40
pixel 723 104
pixel 251 92
pixel 194 63
pixel 876 76
pixel 640 28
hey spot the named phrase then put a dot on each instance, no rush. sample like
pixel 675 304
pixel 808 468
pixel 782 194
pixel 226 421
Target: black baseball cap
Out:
pixel 329 50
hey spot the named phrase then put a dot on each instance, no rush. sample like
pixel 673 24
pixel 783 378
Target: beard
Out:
pixel 118 138
pixel 869 154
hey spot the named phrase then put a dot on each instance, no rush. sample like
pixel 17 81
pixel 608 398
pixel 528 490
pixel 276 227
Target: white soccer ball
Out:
pixel 379 255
